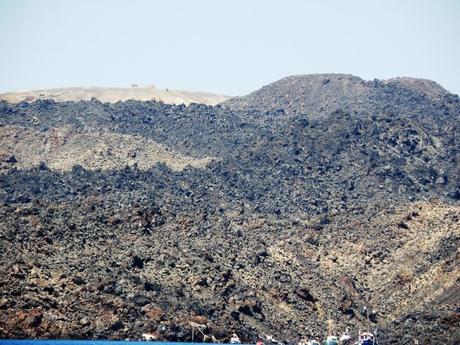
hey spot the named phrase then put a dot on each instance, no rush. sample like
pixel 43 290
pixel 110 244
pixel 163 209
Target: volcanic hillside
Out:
pixel 318 95
pixel 317 202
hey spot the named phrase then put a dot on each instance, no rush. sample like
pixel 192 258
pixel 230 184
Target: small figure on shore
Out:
pixel 364 312
pixel 260 341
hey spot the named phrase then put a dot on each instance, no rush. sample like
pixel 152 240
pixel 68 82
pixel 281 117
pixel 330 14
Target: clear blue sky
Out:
pixel 231 47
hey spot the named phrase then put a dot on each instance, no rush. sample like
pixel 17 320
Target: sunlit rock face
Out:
pixel 115 94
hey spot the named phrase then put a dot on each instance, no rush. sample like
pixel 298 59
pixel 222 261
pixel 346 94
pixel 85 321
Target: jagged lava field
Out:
pixel 284 212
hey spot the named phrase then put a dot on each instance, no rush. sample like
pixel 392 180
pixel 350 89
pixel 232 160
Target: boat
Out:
pixel 308 342
pixel 366 338
pixel 152 336
pixel 270 340
pixel 345 338
pixel 235 339
pixel 331 340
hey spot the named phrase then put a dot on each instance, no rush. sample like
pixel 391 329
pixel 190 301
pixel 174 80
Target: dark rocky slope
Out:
pixel 308 213
pixel 318 95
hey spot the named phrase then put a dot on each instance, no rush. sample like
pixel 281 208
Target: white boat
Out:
pixel 308 342
pixel 235 339
pixel 150 336
pixel 331 340
pixel 366 338
pixel 345 338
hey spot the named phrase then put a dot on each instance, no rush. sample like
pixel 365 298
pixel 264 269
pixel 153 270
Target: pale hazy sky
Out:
pixel 230 47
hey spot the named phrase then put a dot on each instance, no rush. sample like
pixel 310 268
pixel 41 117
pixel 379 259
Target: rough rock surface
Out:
pixel 425 86
pixel 318 95
pixel 342 212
